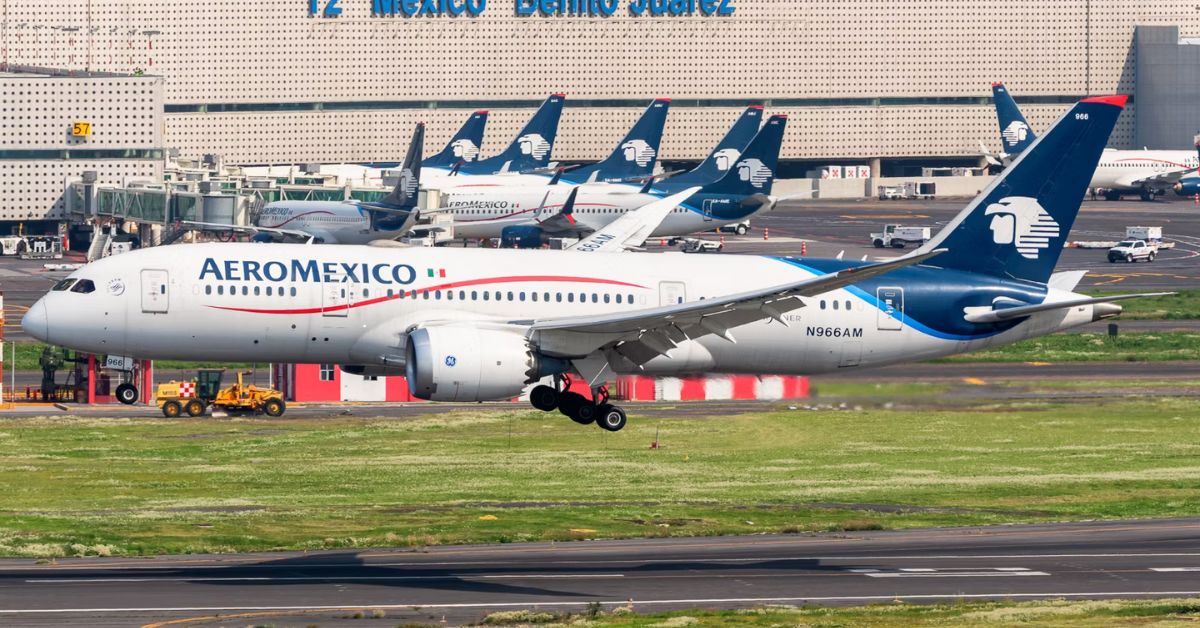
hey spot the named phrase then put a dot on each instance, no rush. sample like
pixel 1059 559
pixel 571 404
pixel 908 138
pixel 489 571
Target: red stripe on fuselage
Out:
pixel 446 286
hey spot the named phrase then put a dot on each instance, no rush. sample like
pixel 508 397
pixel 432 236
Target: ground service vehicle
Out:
pixel 1132 251
pixel 196 395
pixel 899 236
pixel 696 245
pixel 741 228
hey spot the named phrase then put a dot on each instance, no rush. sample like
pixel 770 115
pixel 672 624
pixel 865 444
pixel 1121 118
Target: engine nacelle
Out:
pixel 469 363
pixel 523 237
pixel 1188 187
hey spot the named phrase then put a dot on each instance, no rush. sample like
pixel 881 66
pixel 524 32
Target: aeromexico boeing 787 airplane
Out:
pixel 481 324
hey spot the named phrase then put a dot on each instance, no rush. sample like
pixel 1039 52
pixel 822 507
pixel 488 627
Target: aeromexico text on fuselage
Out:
pixel 307 271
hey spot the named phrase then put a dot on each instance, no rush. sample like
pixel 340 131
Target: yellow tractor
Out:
pixel 196 395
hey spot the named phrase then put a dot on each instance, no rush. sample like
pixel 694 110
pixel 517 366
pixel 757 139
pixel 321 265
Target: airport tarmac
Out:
pixel 1094 560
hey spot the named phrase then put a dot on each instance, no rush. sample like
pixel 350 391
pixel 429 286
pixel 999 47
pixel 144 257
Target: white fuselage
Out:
pixel 334 222
pixel 1117 168
pixel 294 303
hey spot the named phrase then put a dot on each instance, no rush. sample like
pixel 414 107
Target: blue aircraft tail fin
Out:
pixel 404 195
pixel 1017 226
pixel 722 156
pixel 532 146
pixel 635 154
pixel 1015 134
pixel 754 170
pixel 464 146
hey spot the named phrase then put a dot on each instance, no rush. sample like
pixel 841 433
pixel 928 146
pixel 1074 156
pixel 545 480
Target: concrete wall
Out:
pixel 1168 88
pixel 862 188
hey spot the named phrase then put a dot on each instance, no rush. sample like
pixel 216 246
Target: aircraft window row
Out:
pixel 258 290
pixel 484 295
pixel 835 304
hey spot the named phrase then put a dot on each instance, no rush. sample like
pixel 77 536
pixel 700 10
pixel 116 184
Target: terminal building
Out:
pixel 893 84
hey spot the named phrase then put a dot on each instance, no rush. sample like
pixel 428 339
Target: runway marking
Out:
pixel 966 573
pixel 1175 569
pixel 727 600
pixel 328 578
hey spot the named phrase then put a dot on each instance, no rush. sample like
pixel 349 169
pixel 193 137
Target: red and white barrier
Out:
pixel 711 387
pixel 302 382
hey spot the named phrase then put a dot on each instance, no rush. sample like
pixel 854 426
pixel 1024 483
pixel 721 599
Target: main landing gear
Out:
pixel 578 408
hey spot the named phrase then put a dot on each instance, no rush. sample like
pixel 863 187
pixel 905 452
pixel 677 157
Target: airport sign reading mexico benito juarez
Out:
pixel 543 8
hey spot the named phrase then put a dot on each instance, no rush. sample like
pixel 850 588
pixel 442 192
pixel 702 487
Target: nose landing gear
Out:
pixel 578 408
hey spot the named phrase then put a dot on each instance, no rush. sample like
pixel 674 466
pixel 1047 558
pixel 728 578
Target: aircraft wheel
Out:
pixel 544 398
pixel 127 394
pixel 585 413
pixel 1146 195
pixel 194 407
pixel 611 418
pixel 568 402
pixel 172 409
pixel 273 407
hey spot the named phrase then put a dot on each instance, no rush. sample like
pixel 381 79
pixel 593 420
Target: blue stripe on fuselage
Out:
pixel 942 319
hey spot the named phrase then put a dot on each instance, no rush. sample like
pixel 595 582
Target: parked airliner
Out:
pixel 468 324
pixel 527 216
pixel 1147 173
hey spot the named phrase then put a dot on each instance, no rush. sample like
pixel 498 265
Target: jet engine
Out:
pixel 521 237
pixel 468 363
pixel 1188 187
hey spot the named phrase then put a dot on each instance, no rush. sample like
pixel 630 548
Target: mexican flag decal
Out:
pixel 437 272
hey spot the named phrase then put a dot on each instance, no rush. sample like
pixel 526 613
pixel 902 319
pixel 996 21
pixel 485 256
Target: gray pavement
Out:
pixel 1096 560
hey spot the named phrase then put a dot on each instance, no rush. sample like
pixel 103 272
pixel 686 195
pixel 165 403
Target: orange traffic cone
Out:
pixel 803 249
pixel 766 233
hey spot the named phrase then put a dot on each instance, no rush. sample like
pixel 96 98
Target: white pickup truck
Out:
pixel 1132 251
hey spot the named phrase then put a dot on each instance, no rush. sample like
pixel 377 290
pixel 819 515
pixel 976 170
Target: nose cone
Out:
pixel 36 321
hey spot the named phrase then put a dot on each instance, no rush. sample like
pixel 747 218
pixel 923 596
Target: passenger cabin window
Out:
pixel 84 286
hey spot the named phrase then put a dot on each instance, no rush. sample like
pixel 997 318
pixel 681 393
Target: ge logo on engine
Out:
pixel 451 360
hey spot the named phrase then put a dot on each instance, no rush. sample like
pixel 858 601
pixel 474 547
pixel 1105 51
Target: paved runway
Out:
pixel 461 584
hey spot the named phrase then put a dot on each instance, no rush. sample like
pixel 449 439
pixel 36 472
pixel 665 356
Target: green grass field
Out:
pixel 1090 347
pixel 1184 305
pixel 1048 614
pixel 77 486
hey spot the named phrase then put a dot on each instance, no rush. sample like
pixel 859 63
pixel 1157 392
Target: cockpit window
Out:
pixel 84 286
pixel 64 284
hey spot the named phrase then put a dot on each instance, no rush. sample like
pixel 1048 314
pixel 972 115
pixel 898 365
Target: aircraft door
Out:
pixel 336 297
pixel 155 289
pixel 707 208
pixel 671 292
pixel 891 308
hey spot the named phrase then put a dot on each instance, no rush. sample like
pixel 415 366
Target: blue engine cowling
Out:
pixel 523 237
pixel 1188 187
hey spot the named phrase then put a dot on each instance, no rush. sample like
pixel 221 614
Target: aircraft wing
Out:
pixel 643 335
pixel 1158 179
pixel 632 228
pixel 220 226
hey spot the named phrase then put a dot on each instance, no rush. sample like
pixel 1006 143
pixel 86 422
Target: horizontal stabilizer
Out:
pixel 1004 314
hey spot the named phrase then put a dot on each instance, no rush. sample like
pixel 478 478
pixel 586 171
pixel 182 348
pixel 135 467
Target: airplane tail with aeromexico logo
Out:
pixel 464 146
pixel 754 170
pixel 532 146
pixel 722 157
pixel 1015 133
pixel 1017 226
pixel 635 154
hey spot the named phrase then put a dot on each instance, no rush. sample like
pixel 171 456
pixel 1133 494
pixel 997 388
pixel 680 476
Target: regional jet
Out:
pixel 468 324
